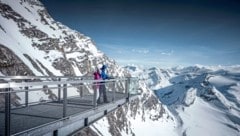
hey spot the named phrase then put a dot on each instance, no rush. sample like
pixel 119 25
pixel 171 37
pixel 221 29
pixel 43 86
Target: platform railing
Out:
pixel 26 91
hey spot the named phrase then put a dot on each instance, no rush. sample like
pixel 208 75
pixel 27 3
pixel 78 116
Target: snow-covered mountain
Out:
pixel 144 116
pixel 33 43
pixel 198 100
pixel 204 100
pixel 180 101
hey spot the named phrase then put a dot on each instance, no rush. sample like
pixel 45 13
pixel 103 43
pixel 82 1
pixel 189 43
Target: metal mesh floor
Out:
pixel 35 115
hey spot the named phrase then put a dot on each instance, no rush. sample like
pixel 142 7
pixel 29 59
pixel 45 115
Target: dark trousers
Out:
pixel 102 91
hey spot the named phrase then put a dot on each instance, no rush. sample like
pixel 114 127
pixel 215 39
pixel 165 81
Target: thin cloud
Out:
pixel 141 51
pixel 120 52
pixel 114 48
pixel 168 53
pixel 110 46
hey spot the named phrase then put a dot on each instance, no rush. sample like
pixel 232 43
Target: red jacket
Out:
pixel 97 76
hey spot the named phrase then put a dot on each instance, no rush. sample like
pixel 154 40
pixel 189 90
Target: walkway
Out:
pixel 64 115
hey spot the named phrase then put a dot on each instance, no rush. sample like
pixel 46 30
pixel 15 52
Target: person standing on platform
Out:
pixel 102 89
pixel 96 86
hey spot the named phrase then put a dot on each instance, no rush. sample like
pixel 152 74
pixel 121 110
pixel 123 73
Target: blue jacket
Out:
pixel 103 73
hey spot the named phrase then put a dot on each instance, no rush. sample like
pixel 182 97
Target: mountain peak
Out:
pixel 27 29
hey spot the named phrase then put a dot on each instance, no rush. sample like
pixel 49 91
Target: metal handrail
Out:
pixel 62 83
pixel 40 77
pixel 24 84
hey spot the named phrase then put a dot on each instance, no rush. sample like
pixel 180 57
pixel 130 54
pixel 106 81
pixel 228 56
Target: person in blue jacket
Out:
pixel 102 89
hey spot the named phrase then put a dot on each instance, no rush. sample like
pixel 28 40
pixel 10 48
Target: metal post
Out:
pixel 127 88
pixel 55 133
pixel 114 91
pixel 59 90
pixel 7 112
pixel 26 96
pixel 86 122
pixel 81 89
pixel 95 95
pixel 64 100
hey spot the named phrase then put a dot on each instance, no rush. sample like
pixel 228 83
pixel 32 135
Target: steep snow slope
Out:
pixel 27 29
pixel 32 43
pixel 194 101
pixel 144 116
pixel 204 101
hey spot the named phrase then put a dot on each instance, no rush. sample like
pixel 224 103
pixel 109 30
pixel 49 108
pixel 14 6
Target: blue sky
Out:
pixel 156 32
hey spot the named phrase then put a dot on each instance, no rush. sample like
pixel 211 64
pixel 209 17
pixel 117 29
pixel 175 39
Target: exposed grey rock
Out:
pixel 7 12
pixel 2 28
pixel 34 63
pixel 64 66
pixel 46 70
pixel 33 2
pixel 43 13
pixel 11 65
pixel 66 44
pixel 14 99
pixel 32 32
pixel 49 92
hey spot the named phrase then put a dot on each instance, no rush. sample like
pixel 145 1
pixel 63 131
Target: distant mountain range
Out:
pixel 200 100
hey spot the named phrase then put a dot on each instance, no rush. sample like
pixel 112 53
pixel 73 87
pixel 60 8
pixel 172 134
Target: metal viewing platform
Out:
pixel 53 106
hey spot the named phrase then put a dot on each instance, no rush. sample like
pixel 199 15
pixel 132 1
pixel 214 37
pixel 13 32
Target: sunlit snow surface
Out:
pixel 205 101
pixel 20 44
pixel 198 101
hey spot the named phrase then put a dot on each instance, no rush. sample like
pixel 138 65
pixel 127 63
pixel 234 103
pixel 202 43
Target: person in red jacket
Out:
pixel 97 76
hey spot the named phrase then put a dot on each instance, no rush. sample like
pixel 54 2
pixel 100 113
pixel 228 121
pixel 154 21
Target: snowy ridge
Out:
pixel 33 43
pixel 27 29
pixel 154 77
pixel 195 101
pixel 202 100
pixel 144 116
pixel 198 100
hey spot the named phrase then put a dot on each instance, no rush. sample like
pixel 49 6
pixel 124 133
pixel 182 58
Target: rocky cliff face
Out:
pixel 32 43
pixel 179 101
pixel 27 28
